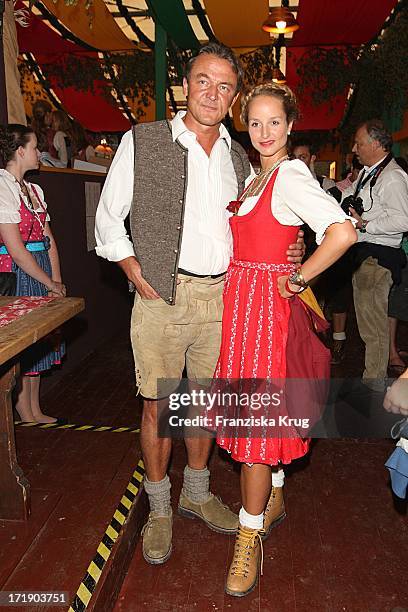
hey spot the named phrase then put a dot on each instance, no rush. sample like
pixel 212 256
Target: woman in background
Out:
pixel 28 248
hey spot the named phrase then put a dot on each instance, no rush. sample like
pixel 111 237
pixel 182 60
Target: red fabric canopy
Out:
pixel 322 23
pixel 323 117
pixel 328 23
pixel 349 22
pixel 92 110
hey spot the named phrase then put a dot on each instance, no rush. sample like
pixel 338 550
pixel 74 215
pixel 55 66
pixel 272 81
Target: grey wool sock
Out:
pixel 159 495
pixel 196 485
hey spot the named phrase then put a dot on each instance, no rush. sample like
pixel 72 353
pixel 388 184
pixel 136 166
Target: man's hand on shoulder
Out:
pixel 296 251
pixel 131 268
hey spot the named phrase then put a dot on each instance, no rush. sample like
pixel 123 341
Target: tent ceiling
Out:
pixel 234 22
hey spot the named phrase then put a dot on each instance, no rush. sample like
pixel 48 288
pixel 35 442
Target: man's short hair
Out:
pixel 377 131
pixel 223 52
pixel 300 141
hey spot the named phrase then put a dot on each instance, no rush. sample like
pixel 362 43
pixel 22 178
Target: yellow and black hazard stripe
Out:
pixel 73 427
pixel 94 571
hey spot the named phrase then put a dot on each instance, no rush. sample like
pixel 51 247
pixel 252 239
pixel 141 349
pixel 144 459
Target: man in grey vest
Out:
pixel 176 179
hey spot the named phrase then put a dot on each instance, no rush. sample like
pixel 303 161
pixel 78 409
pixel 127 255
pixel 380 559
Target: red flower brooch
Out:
pixel 234 206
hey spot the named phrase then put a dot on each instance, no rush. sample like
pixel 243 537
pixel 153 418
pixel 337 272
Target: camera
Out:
pixel 356 203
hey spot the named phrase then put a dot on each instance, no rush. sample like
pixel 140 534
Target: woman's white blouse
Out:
pixel 297 198
pixel 10 194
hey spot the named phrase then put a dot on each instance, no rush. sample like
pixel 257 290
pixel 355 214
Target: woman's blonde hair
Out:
pixel 284 93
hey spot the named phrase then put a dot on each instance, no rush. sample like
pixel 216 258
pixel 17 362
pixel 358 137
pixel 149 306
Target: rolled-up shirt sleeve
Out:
pixel 112 240
pixel 299 197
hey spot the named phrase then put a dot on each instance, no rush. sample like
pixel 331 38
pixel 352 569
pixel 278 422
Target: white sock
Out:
pixel 252 521
pixel 278 478
pixel 339 335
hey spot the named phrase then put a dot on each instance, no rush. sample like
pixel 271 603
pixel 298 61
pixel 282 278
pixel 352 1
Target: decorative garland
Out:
pixel 376 72
pixel 31 67
pixel 111 72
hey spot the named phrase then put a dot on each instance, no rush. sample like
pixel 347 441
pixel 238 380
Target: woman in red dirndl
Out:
pixel 257 311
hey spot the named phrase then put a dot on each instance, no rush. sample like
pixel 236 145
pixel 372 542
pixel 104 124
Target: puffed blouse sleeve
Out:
pixel 297 197
pixel 9 202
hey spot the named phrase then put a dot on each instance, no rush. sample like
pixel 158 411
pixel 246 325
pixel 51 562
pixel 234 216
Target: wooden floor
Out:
pixel 343 546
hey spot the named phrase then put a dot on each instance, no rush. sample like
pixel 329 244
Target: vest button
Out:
pixel 179 227
pixel 175 251
pixel 183 176
pixel 173 275
pixel 180 201
pixel 170 299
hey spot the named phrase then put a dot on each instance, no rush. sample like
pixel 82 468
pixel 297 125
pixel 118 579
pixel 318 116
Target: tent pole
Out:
pixel 160 64
pixel 3 96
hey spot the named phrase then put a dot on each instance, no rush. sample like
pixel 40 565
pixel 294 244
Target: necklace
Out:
pixel 262 178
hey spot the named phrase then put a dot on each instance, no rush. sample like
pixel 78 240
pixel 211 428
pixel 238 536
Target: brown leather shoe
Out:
pixel 274 512
pixel 216 515
pixel 157 538
pixel 248 555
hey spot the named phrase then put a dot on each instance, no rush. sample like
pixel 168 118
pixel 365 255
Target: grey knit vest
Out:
pixel 157 212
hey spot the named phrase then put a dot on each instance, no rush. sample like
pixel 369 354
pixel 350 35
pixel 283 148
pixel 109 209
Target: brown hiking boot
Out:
pixel 248 555
pixel 216 515
pixel 157 538
pixel 275 511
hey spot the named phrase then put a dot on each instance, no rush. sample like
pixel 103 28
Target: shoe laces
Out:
pixel 244 546
pixel 272 497
pixel 148 526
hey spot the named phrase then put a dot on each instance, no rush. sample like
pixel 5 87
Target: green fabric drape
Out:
pixel 171 15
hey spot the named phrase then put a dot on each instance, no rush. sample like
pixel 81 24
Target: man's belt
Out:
pixel 181 271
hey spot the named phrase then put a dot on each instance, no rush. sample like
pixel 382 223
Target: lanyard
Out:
pixel 363 180
pixel 372 176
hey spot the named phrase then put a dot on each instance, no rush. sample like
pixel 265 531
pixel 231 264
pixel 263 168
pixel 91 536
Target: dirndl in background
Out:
pixel 48 351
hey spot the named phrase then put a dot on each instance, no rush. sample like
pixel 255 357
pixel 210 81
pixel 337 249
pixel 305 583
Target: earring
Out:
pixel 288 133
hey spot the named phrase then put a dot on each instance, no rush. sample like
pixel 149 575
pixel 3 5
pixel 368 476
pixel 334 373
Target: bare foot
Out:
pixel 44 418
pixel 25 414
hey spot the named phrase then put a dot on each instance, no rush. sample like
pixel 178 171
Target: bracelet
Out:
pixel 296 278
pixel 289 290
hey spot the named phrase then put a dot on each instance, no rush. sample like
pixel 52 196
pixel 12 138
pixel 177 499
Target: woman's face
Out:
pixel 268 128
pixel 30 155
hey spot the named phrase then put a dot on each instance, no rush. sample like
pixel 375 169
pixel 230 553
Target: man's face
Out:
pixel 366 149
pixel 303 153
pixel 210 90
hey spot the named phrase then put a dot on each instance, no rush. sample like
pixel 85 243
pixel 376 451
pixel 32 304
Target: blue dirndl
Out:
pixel 48 351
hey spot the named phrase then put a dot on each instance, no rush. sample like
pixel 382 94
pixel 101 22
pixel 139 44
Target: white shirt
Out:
pixel 10 194
pixel 387 213
pixel 207 242
pixel 297 198
pixel 61 147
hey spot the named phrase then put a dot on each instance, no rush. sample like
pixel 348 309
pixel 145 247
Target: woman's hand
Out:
pixel 56 289
pixel 283 290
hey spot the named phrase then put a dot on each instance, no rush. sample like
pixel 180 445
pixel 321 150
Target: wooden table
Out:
pixel 14 338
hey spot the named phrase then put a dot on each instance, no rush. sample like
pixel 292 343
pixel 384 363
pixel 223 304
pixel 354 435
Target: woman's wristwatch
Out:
pixel 363 226
pixel 296 278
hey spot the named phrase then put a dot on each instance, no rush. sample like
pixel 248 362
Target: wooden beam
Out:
pixel 3 95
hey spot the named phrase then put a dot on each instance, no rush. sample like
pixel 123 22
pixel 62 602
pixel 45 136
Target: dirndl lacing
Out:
pixel 285 268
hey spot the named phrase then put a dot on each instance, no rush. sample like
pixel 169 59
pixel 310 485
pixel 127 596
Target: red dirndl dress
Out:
pixel 255 322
